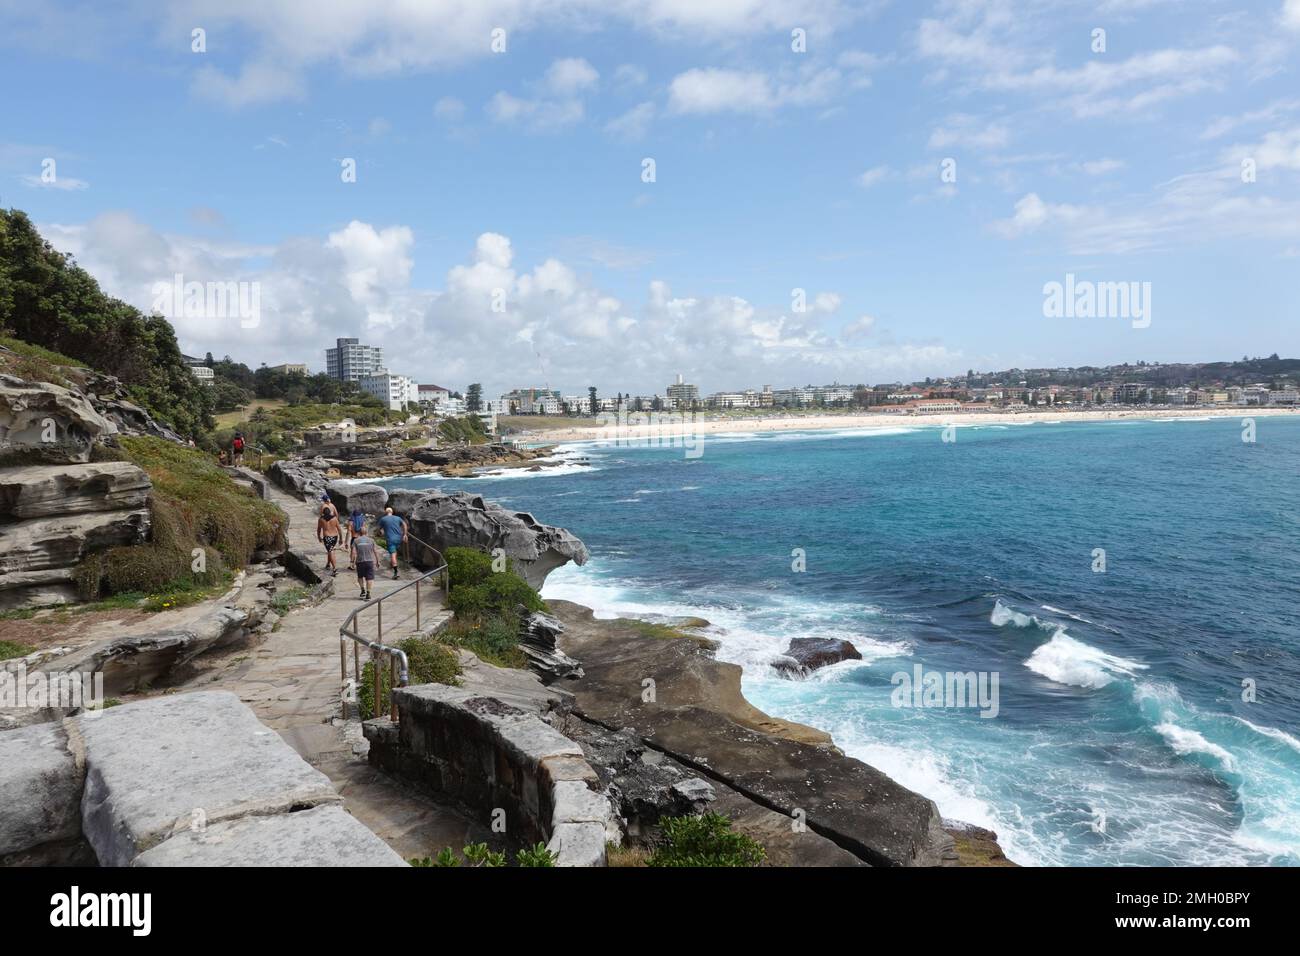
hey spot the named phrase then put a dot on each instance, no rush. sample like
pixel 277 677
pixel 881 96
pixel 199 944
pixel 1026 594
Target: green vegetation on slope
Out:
pixel 203 525
pixel 704 840
pixel 47 300
pixel 468 430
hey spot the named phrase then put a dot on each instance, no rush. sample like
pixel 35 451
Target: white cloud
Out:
pixel 1100 167
pixel 254 84
pixel 874 175
pixel 1291 14
pixel 65 183
pixel 357 280
pixel 970 132
pixel 714 90
pixel 1031 213
pixel 633 124
pixel 569 76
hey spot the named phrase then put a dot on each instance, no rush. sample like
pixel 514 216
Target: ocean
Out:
pixel 1133 586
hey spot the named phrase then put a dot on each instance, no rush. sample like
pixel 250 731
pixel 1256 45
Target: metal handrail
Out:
pixel 348 631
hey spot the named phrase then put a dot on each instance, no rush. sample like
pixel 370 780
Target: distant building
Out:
pixel 683 394
pixel 290 368
pixel 532 401
pixel 1129 392
pixel 432 395
pixel 350 361
pixel 1285 396
pixel 203 374
pixel 394 391
pixel 489 419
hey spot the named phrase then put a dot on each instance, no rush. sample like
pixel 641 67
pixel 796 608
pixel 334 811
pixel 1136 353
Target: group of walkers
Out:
pixel 362 549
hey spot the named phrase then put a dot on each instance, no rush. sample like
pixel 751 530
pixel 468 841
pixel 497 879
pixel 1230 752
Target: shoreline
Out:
pixel 633 429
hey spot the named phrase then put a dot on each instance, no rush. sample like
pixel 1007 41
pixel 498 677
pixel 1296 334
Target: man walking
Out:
pixel 363 556
pixel 237 448
pixel 356 525
pixel 328 533
pixel 394 529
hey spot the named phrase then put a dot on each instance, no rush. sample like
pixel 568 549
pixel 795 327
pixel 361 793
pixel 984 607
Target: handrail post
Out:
pixel 392 687
pixel 374 659
pixel 417 604
pixel 379 609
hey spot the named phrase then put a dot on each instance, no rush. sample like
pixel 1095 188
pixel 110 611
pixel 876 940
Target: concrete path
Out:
pixel 292 683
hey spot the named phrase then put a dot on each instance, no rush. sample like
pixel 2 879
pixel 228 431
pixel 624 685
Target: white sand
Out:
pixel 668 424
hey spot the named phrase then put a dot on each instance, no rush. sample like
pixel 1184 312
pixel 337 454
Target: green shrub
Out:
pixel 536 856
pixel 705 840
pixel 501 594
pixel 493 639
pixel 468 566
pixel 428 662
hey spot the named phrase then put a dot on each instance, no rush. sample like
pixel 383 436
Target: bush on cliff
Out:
pixel 428 662
pixel 487 605
pixel 47 300
pixel 468 430
pixel 195 507
pixel 704 840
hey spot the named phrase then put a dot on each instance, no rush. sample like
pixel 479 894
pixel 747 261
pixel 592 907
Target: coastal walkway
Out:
pixel 291 682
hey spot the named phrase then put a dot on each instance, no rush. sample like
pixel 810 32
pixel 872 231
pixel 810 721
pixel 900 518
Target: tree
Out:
pixel 474 398
pixel 592 400
pixel 46 299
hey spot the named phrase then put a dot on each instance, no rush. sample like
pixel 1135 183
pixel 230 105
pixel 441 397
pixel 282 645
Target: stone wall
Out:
pixel 488 756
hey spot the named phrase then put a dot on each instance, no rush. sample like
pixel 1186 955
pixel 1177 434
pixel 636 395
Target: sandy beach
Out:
pixel 652 425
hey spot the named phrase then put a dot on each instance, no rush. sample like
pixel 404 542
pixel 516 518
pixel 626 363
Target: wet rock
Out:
pixel 807 654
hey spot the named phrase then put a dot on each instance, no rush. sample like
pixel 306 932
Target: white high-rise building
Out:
pixel 350 361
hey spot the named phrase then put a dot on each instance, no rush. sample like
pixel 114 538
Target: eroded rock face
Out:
pixel 41 422
pixel 40 491
pixel 463 520
pixel 37 556
pixel 807 654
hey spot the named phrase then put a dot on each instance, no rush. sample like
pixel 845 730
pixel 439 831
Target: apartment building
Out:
pixel 394 391
pixel 350 361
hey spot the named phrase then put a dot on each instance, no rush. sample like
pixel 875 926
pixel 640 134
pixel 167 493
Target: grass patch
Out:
pixel 625 856
pixel 203 525
pixel 18 614
pixel 34 363
pixel 287 599
pixel 543 422
pixel 486 603
pixel 11 649
pixel 704 840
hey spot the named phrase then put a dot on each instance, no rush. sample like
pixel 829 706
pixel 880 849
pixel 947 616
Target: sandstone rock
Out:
pixel 302 477
pixel 404 500
pixel 155 767
pixel 40 789
pixel 322 836
pixel 39 491
pixel 807 654
pixel 700 718
pixel 346 495
pixel 40 421
pixel 459 519
pixel 140 660
pixel 60 541
pixel 537 634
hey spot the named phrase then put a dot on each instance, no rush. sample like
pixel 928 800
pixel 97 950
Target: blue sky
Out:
pixel 514 179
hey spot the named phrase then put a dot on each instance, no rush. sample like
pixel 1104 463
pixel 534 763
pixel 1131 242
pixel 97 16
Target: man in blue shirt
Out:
pixel 394 529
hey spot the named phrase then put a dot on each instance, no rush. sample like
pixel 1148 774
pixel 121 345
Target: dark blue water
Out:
pixel 1121 735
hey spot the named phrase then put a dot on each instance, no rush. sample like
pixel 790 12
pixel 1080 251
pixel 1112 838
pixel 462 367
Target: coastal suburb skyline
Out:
pixel 742 192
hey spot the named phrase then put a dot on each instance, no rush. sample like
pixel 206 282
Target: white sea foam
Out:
pixel 1184 742
pixel 1003 615
pixel 1271 732
pixel 1067 661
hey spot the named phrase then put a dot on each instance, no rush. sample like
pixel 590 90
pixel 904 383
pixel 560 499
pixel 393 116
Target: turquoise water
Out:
pixel 1121 734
